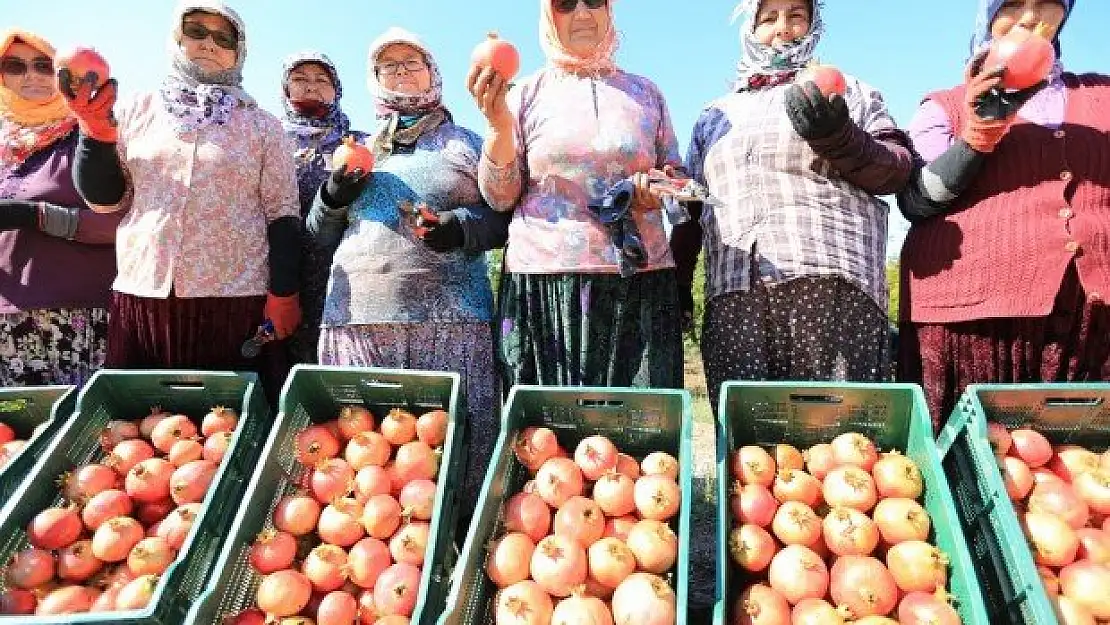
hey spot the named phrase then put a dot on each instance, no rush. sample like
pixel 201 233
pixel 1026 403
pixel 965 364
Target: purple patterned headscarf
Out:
pixel 329 128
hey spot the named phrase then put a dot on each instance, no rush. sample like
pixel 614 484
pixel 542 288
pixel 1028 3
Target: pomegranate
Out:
pixel 523 603
pixel 788 457
pixel 372 480
pixel 795 485
pixel 366 560
pixel 850 486
pixel 184 452
pixel 580 519
pixel 922 608
pixel 897 476
pixel 332 479
pixel 367 449
pixel 354 419
pixel 1070 612
pixel 86 481
pixel 340 522
pixel 114 540
pixel 1060 499
pixel 1094 488
pixel 272 551
pixel 751 547
pixel 828 79
pixel 752 464
pixel 595 456
pixel 410 543
pixel 76 562
pixel 1070 461
pixel 395 592
pixel 189 483
pixel 1054 541
pixel 149 480
pixel 863 585
pixel 29 569
pixel 415 460
pixel 559 565
pixel 381 516
pixel 558 480
pixel 854 449
pixel 660 463
pixel 54 528
pixel 614 494
pixel 177 526
pixel 644 599
pixel 527 513
pixel 170 430
pixel 1033 448
pixel 627 465
pixel 152 556
pixel 283 593
pixel 818 612
pixel 917 566
pixel 999 438
pixel 509 558
pixel 754 504
pixel 137 594
pixel 819 460
pixel 619 527
pixel 849 532
pixel 535 446
pixel 798 573
pixel 1042 475
pixel 315 444
pixel 215 448
pixel 399 426
pixel 324 567
pixel 66 600
pixel 582 609
pixel 899 520
pixel 431 427
pixel 657 497
pixel 156 416
pixel 1094 545
pixel 1050 580
pixel 84 63
pixel 17 602
pixel 1027 55
pixel 498 54
pixel 796 524
pixel 354 155
pixel 1086 583
pixel 418 499
pixel 611 562
pixel 7 434
pixel 654 545
pixel 127 454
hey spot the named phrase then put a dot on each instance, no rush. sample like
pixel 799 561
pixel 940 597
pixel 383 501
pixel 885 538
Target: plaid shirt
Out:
pixel 784 200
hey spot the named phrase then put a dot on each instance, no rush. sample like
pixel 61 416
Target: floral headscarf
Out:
pixel 598 62
pixel 27 127
pixel 327 129
pixel 404 117
pixel 759 60
pixel 197 97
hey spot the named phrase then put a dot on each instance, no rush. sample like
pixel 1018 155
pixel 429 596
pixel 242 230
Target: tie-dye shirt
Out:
pixel 576 138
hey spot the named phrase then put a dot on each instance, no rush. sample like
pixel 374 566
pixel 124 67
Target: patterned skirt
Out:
pixel 813 328
pixel 52 346
pixel 590 330
pixel 463 348
pixel 1072 344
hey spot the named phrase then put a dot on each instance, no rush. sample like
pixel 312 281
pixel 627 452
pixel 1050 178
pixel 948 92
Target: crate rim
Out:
pixel 66 392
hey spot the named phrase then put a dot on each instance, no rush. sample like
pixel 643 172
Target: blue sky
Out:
pixel 906 48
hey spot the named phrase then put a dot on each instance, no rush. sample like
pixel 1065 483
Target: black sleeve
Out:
pixel 18 214
pixel 284 236
pixel 933 187
pixel 98 173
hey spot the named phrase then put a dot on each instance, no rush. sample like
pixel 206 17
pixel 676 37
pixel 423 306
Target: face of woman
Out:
pixel 311 81
pixel 28 72
pixel 402 68
pixel 581 29
pixel 1027 14
pixel 210 41
pixel 780 22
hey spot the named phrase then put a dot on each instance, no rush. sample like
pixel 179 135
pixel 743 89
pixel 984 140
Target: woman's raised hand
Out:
pixel 489 89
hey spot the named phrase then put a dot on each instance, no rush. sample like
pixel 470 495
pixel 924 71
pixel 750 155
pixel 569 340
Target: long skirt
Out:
pixel 590 330
pixel 813 328
pixel 1071 344
pixel 462 348
pixel 52 346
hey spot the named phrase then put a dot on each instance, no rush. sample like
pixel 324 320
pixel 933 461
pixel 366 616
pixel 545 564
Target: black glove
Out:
pixel 342 188
pixel 443 234
pixel 18 214
pixel 997 103
pixel 814 116
pixel 686 306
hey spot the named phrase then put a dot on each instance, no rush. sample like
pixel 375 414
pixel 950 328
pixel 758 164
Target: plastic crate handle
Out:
pixel 1072 402
pixel 802 398
pixel 611 404
pixel 183 385
pixel 382 384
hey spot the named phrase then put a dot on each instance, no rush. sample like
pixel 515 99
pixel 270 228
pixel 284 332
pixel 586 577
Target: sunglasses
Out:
pixel 15 66
pixel 199 32
pixel 568 6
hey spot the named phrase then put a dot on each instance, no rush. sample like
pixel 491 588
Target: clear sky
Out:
pixel 904 47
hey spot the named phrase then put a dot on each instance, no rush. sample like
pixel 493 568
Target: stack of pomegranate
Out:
pixel 590 533
pixel 350 548
pixel 9 444
pixel 816 525
pixel 124 519
pixel 1062 497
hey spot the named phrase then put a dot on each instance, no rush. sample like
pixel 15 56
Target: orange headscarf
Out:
pixel 14 107
pixel 598 62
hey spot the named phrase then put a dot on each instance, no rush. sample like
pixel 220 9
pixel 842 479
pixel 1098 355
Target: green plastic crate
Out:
pixel 36 414
pixel 638 421
pixel 806 413
pixel 1065 414
pixel 314 394
pixel 128 395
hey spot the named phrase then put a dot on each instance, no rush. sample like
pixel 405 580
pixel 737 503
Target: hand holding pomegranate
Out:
pixel 343 187
pixel 83 79
pixel 990 109
pixel 814 115
pixel 489 90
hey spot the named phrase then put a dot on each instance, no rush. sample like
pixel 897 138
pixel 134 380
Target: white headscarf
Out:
pixel 757 58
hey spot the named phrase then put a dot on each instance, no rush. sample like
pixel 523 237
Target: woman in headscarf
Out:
pixel 314 118
pixel 796 252
pixel 573 310
pixel 210 244
pixel 1006 269
pixel 409 287
pixel 56 255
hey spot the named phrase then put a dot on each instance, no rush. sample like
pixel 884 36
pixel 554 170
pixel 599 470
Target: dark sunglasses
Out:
pixel 568 6
pixel 15 66
pixel 226 40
